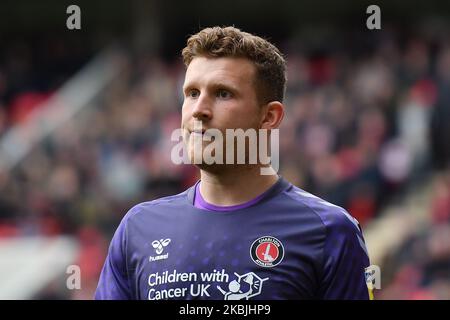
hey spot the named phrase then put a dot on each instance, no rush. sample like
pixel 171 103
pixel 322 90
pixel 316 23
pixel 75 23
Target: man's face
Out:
pixel 221 93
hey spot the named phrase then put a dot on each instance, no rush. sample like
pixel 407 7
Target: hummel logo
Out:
pixel 160 244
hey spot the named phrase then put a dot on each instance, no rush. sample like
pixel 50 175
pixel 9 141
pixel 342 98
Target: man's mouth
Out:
pixel 202 132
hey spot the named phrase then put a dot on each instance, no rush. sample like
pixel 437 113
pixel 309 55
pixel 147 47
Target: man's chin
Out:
pixel 211 168
pixel 221 168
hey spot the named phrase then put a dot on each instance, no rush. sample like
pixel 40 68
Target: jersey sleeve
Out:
pixel 345 259
pixel 114 278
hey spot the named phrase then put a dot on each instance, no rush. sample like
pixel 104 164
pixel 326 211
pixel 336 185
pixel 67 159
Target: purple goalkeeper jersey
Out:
pixel 287 245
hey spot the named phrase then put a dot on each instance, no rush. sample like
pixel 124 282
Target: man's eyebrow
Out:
pixel 224 85
pixel 214 85
pixel 187 86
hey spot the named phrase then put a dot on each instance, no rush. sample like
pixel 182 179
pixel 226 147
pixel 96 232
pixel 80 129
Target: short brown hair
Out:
pixel 232 42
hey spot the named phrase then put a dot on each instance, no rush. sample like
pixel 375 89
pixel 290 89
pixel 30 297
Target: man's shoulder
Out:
pixel 339 226
pixel 331 215
pixel 163 204
pixel 165 201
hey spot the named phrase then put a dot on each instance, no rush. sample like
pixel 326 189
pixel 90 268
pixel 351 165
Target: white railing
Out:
pixel 28 264
pixel 74 95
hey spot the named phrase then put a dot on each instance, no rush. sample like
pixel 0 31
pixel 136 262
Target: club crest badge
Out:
pixel 267 251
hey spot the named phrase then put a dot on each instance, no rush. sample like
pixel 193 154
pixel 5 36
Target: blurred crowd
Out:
pixel 420 267
pixel 361 127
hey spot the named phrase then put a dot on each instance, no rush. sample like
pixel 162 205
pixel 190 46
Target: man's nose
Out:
pixel 202 108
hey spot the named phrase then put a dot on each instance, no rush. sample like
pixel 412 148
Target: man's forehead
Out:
pixel 220 69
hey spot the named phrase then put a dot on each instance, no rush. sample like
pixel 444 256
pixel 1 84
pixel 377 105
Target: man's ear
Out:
pixel 272 114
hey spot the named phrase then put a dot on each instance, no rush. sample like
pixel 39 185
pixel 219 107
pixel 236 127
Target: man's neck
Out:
pixel 235 187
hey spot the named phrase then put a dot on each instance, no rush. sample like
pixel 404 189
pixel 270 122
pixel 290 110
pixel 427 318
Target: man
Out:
pixel 237 233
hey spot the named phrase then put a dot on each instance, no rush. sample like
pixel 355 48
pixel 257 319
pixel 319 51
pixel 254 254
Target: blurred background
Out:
pixel 86 117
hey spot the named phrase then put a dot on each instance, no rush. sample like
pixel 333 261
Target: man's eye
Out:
pixel 224 94
pixel 193 93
